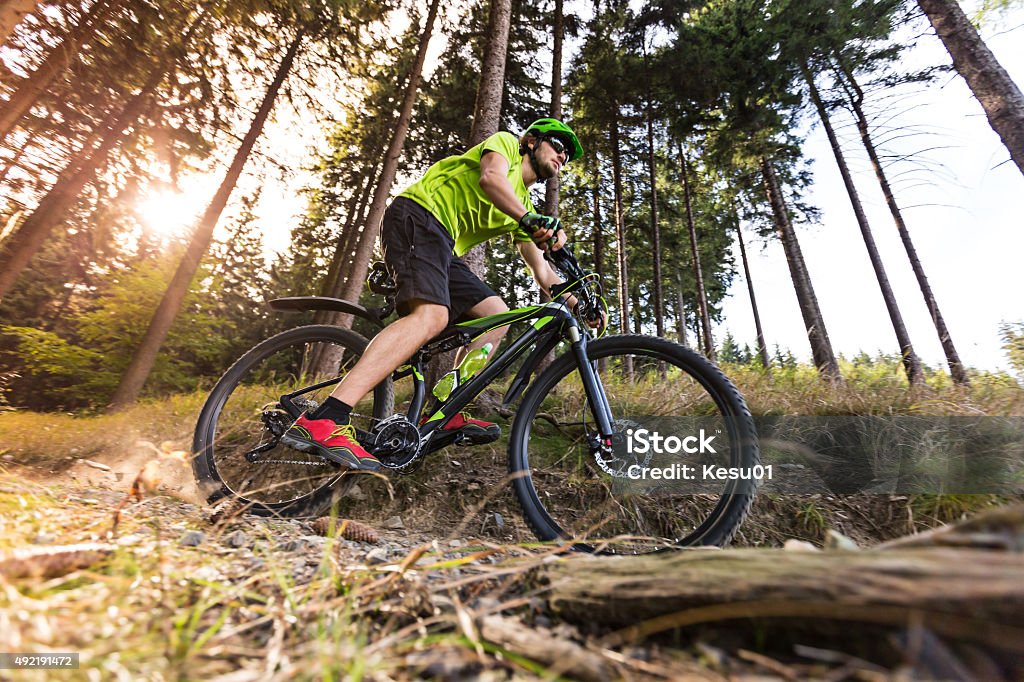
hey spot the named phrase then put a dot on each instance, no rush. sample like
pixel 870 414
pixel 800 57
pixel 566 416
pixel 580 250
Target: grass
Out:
pixel 154 609
pixel 32 437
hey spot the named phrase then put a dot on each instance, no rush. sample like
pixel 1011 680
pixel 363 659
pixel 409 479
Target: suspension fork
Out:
pixel 592 385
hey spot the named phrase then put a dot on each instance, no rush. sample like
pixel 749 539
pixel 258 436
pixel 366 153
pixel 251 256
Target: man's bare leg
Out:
pixel 489 306
pixel 393 346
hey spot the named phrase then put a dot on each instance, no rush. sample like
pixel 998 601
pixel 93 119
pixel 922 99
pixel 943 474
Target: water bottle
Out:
pixel 469 366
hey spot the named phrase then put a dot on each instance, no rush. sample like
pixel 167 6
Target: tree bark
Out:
pixel 349 237
pixel 620 230
pixel 142 362
pixel 995 91
pixel 698 274
pixel 551 189
pixel 681 314
pixel 762 347
pixel 11 14
pixel 961 581
pixel 911 363
pixel 595 202
pixel 821 347
pixel 970 594
pixel 856 99
pixel 659 300
pixel 19 248
pixel 56 62
pixel 487 110
pixel 371 227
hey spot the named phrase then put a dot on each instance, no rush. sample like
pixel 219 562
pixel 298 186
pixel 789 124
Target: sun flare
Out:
pixel 167 212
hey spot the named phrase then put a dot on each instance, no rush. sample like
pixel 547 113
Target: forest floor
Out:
pixel 442 579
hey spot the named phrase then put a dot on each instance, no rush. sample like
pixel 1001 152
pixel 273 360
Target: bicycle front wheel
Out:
pixel 236 448
pixel 680 469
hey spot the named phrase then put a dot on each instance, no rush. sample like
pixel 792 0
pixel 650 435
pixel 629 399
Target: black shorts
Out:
pixel 418 252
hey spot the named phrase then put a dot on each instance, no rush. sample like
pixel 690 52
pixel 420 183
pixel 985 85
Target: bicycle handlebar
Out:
pixel 564 260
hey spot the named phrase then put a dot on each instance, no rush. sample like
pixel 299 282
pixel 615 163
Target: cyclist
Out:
pixel 460 202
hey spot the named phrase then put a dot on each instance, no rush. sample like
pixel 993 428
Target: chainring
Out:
pixel 397 442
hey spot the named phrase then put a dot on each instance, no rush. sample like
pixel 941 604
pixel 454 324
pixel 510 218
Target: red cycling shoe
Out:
pixel 336 442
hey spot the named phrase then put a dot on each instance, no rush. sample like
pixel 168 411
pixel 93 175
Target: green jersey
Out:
pixel 451 191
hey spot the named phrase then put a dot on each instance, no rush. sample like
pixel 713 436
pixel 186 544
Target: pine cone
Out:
pixel 346 528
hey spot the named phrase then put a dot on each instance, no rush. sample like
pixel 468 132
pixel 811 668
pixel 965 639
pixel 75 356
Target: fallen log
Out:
pixel 953 580
pixel 972 595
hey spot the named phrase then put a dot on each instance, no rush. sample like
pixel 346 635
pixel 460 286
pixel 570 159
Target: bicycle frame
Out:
pixel 552 323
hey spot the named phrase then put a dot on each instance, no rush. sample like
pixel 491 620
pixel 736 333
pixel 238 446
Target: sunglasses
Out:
pixel 558 145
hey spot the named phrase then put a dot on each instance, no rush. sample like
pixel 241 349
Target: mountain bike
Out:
pixel 600 445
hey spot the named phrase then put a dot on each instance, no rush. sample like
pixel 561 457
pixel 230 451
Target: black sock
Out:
pixel 333 409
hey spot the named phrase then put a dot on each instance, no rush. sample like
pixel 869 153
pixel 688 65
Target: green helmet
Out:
pixel 552 127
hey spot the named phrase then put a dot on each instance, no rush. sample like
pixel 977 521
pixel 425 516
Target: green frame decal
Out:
pixel 482 325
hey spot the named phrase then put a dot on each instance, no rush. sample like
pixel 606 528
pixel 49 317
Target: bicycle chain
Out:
pixel 321 463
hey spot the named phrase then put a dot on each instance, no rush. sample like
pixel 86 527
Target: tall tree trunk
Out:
pixel 487 111
pixel 659 300
pixel 368 237
pixel 11 14
pixel 551 191
pixel 762 347
pixel 911 363
pixel 821 347
pixel 56 62
pixel 142 362
pixel 595 198
pixel 620 230
pixel 856 99
pixel 998 95
pixel 19 248
pixel 348 238
pixel 698 274
pixel 681 313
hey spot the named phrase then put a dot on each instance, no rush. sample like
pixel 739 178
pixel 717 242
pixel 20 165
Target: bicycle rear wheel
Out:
pixel 680 426
pixel 236 449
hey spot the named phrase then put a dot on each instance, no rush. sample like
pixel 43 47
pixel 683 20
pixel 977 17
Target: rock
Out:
pixel 193 538
pixel 794 545
pixel 836 540
pixel 236 539
pixel 356 493
pixel 131 540
pixel 295 545
pixel 8 458
pixel 455 543
pixel 394 523
pixel 377 555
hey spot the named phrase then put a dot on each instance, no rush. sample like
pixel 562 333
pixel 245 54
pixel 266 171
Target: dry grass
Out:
pixel 875 390
pixel 155 609
pixel 37 438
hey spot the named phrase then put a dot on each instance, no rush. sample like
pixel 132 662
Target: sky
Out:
pixel 966 221
pixel 964 216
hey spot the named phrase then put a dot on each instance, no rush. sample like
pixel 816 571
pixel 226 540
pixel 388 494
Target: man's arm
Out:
pixel 542 272
pixel 495 184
